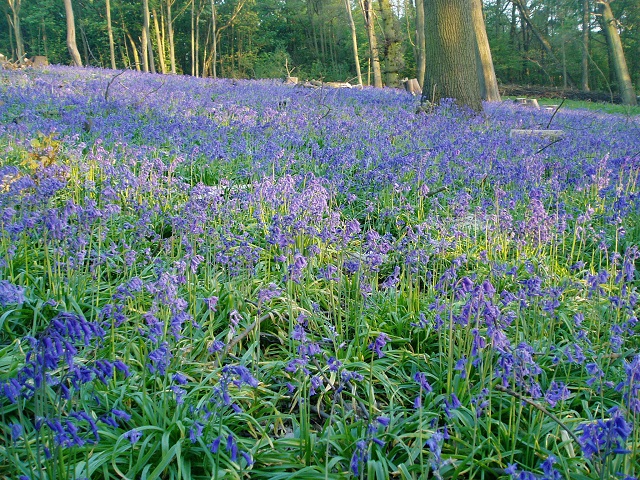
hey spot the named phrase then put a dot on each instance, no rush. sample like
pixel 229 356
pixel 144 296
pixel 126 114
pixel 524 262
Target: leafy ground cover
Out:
pixel 229 279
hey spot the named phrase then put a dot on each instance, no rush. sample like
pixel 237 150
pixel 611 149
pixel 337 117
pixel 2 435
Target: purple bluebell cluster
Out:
pixel 260 287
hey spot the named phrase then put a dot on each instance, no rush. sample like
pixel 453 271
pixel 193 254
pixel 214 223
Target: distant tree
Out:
pixel 616 53
pixel 71 34
pixel 451 53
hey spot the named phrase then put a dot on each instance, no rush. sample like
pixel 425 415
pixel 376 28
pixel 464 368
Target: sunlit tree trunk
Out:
pixel 586 20
pixel 136 56
pixel 112 50
pixel 486 73
pixel 71 34
pixel 616 54
pixel 17 31
pixel 172 48
pixel 374 57
pixel 148 44
pixel 451 53
pixel 160 42
pixel 420 41
pixel 354 40
pixel 214 34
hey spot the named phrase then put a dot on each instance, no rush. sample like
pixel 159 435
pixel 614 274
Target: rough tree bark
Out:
pixel 486 73
pixel 393 54
pixel 451 53
pixel 374 57
pixel 112 49
pixel 586 20
pixel 616 53
pixel 354 39
pixel 71 34
pixel 420 41
pixel 17 30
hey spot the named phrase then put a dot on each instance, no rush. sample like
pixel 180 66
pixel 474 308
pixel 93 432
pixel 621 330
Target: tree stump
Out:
pixel 39 61
pixel 412 86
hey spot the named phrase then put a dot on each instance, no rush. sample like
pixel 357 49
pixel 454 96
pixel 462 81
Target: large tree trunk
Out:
pixel 393 55
pixel 586 20
pixel 112 49
pixel 616 54
pixel 71 34
pixel 374 57
pixel 354 40
pixel 148 45
pixel 451 53
pixel 486 73
pixel 17 30
pixel 420 41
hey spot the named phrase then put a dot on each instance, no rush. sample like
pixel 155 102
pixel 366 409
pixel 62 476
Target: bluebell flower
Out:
pixel 358 458
pixel 16 431
pixel 10 293
pixel 133 436
pixel 378 344
pixel 159 359
pixel 421 379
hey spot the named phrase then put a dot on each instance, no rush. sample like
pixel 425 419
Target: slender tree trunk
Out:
pixel 393 54
pixel 197 34
pixel 44 39
pixel 354 40
pixel 450 54
pixel 85 45
pixel 136 57
pixel 147 33
pixel 17 30
pixel 420 41
pixel 156 24
pixel 71 35
pixel 112 49
pixel 172 48
pixel 586 20
pixel 367 11
pixel 145 51
pixel 11 34
pixel 486 73
pixel 214 34
pixel 193 38
pixel 616 54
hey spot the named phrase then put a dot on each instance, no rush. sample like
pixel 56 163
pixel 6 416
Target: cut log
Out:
pixel 291 81
pixel 552 134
